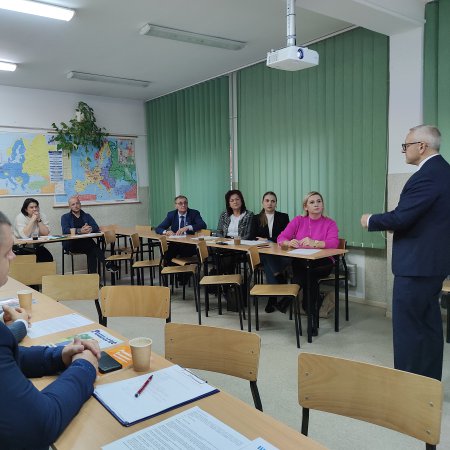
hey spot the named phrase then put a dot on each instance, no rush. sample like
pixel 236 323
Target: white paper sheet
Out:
pixel 303 251
pixel 258 444
pixel 57 324
pixel 193 428
pixel 169 388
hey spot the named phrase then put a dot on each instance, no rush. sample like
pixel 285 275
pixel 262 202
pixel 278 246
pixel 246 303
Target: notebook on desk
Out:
pixel 169 388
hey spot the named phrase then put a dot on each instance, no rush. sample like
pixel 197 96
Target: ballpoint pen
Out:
pixel 141 389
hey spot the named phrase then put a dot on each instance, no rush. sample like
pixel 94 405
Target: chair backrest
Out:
pixel 110 236
pixel 232 352
pixel 135 301
pixel 135 242
pixel 253 258
pixel 203 232
pixel 163 245
pixel 202 251
pixel 20 259
pixel 71 287
pixel 108 228
pixel 143 228
pixel 401 401
pixel 31 273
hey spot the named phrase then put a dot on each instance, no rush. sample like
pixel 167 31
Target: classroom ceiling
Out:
pixel 103 38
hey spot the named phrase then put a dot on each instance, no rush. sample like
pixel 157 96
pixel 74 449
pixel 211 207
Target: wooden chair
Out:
pixel 270 290
pixel 231 352
pixel 73 287
pixel 152 264
pixel 135 301
pixel 203 232
pixel 31 273
pixel 20 259
pixel 401 401
pixel 151 245
pixel 342 276
pixel 189 270
pixel 110 238
pixel 71 254
pixel 233 281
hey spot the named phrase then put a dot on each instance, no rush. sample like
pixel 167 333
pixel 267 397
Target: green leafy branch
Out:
pixel 81 131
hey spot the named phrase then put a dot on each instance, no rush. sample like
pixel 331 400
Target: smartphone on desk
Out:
pixel 108 364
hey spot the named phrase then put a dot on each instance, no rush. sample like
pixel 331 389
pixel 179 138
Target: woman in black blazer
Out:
pixel 268 224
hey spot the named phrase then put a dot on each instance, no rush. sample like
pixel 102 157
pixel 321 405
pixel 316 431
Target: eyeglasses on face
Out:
pixel 407 144
pixel 182 203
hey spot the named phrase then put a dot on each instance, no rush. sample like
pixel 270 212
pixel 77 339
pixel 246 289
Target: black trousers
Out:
pixel 93 252
pixel 42 254
pixel 417 325
pixel 317 269
pixel 179 250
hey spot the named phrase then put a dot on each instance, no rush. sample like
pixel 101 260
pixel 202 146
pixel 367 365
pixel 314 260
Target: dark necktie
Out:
pixel 182 222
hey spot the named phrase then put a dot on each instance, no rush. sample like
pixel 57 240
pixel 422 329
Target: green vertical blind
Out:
pixel 204 146
pixel 189 138
pixel 321 129
pixel 436 79
pixel 161 117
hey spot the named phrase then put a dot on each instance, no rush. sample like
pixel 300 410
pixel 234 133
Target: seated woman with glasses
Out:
pixel 316 231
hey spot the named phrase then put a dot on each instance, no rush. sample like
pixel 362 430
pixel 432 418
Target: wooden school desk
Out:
pixel 94 426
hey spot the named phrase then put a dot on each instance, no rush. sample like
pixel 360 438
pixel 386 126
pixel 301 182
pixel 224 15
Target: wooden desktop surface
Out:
pixel 46 240
pixel 94 426
pixel 272 249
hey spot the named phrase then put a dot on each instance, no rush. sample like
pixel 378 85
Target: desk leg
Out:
pixel 307 292
pixel 336 294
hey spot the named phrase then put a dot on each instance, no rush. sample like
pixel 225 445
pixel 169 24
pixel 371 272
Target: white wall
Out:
pixel 37 109
pixel 34 108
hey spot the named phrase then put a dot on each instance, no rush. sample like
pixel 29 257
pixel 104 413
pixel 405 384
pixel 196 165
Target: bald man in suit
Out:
pixel 420 254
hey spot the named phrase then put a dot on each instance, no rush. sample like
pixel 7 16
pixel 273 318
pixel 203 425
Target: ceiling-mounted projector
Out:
pixel 292 58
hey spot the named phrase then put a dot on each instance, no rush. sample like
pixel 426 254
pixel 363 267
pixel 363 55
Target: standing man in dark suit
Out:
pixel 182 220
pixel 420 254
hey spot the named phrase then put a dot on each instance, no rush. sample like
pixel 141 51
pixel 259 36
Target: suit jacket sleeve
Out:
pixel 417 197
pixel 48 412
pixel 91 222
pixel 166 223
pixel 195 220
pixel 66 223
pixel 18 329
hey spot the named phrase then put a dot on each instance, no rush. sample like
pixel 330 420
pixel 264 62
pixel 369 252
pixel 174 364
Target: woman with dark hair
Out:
pixel 312 230
pixel 236 221
pixel 31 223
pixel 268 224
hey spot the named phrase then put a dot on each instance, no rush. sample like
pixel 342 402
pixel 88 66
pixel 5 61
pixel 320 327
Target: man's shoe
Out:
pixel 283 304
pixel 270 307
pixel 111 267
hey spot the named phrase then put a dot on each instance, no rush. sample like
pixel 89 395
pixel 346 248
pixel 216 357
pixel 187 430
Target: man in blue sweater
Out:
pixel 83 223
pixel 45 413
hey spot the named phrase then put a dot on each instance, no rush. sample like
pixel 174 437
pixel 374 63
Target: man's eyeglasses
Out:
pixel 182 203
pixel 405 146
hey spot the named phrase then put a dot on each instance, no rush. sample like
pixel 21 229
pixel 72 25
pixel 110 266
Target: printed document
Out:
pixel 193 428
pixel 57 324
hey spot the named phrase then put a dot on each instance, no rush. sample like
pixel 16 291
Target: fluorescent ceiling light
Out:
pixel 107 79
pixel 193 38
pixel 38 9
pixel 10 67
